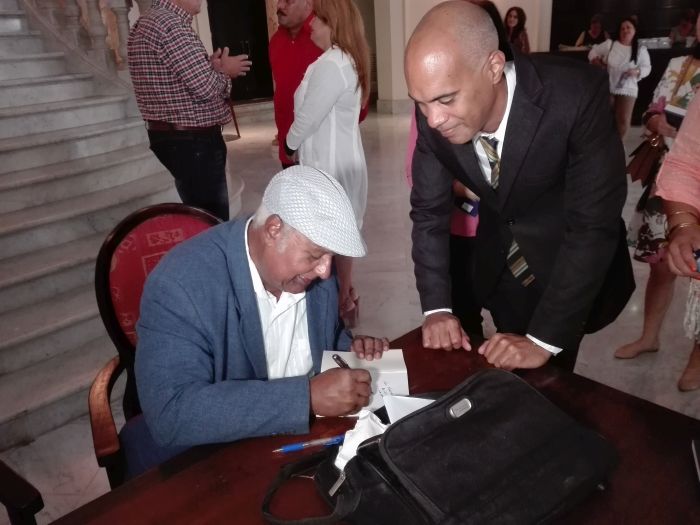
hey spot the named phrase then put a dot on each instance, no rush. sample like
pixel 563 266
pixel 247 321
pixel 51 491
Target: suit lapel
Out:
pixel 251 331
pixel 522 125
pixel 466 157
pixel 317 320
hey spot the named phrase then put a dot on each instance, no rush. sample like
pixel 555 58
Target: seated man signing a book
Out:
pixel 234 323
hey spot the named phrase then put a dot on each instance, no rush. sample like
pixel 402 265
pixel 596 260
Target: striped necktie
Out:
pixel 490 146
pixel 515 259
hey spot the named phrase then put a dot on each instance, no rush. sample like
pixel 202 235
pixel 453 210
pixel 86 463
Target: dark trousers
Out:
pixel 464 305
pixel 197 161
pixel 512 305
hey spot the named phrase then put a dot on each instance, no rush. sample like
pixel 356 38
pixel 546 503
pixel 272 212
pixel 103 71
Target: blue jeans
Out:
pixel 197 161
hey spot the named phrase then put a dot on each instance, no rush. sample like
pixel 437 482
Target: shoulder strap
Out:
pixel 686 65
pixel 345 504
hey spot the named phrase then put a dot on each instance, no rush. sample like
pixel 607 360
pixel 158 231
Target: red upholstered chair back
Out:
pixel 127 256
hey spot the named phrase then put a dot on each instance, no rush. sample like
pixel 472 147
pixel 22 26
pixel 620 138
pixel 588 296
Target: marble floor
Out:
pixel 62 465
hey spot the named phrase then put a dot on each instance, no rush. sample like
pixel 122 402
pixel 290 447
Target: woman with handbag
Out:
pixel 327 107
pixel 671 98
pixel 627 63
pixel 679 186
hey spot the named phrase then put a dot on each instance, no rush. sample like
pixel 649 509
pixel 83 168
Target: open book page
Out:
pixel 389 374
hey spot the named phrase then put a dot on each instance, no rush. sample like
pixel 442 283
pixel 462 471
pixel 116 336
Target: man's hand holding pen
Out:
pixel 344 390
pixel 340 391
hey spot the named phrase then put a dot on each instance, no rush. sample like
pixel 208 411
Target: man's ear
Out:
pixel 495 65
pixel 272 228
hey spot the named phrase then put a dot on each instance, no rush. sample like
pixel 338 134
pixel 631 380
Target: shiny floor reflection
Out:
pixel 62 465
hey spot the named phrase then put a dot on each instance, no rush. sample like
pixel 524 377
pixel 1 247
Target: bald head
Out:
pixel 461 30
pixel 454 71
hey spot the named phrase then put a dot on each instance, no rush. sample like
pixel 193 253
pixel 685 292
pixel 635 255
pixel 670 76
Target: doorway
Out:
pixel 242 26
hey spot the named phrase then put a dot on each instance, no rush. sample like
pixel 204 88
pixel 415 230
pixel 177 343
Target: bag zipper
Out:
pixel 337 484
pixel 341 479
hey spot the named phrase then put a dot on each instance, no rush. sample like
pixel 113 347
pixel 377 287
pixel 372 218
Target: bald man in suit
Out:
pixel 534 138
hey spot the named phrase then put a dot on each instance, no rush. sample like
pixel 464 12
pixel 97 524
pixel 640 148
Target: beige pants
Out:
pixel 622 107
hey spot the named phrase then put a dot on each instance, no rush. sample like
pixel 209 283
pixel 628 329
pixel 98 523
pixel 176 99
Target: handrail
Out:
pixel 93 34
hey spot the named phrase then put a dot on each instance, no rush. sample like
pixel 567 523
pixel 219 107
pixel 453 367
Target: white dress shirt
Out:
pixel 284 325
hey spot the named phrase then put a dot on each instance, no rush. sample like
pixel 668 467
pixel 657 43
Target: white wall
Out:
pixel 539 17
pixel 391 41
pixel 395 21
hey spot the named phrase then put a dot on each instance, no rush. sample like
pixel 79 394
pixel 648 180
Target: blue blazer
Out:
pixel 201 372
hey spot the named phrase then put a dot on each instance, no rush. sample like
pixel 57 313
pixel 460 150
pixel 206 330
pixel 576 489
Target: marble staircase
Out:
pixel 73 162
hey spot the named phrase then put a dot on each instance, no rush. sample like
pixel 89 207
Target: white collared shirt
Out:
pixel 284 325
pixel 500 133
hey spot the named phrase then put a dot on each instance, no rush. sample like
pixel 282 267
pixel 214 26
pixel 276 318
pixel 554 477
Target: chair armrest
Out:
pixel 104 431
pixel 20 497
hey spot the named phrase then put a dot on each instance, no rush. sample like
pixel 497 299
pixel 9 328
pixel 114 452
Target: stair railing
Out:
pixel 92 33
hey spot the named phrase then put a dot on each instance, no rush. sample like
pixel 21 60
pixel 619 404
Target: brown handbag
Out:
pixel 646 159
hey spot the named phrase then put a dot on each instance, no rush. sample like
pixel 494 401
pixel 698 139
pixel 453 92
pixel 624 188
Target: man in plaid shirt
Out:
pixel 183 97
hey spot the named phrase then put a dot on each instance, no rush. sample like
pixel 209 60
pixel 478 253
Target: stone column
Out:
pixel 271 9
pixel 389 19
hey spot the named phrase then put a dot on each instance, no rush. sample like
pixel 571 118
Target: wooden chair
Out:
pixel 235 120
pixel 126 257
pixel 20 498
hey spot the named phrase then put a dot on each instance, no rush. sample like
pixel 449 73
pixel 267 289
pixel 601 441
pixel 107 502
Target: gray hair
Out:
pixel 286 233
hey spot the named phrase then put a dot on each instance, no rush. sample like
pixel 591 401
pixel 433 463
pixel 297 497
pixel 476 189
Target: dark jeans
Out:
pixel 197 161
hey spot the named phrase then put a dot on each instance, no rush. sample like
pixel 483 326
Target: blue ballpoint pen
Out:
pixel 326 442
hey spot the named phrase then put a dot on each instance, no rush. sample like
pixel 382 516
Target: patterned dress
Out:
pixel 647 232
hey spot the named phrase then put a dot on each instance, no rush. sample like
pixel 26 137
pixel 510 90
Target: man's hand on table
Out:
pixel 510 351
pixel 340 391
pixel 369 348
pixel 443 330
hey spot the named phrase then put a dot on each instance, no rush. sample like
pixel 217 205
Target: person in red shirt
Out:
pixel 291 52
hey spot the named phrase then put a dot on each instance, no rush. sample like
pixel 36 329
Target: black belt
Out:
pixel 157 125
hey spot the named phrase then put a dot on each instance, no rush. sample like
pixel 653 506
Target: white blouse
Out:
pixel 326 128
pixel 618 58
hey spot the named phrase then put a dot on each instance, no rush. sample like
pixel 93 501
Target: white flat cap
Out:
pixel 316 205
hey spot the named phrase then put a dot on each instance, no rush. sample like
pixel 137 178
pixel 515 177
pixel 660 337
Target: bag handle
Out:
pixel 345 504
pixel 681 76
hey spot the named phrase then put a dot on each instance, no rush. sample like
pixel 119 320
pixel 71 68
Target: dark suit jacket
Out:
pixel 561 190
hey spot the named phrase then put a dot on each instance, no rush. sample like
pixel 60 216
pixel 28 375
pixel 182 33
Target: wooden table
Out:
pixel 655 481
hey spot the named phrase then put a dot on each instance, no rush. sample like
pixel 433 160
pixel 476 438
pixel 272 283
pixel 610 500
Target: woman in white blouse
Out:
pixel 627 63
pixel 327 104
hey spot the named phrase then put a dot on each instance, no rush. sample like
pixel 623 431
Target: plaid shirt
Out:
pixel 170 69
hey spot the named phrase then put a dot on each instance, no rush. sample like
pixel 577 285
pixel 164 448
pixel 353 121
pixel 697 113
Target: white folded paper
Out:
pixel 401 406
pixel 389 374
pixel 367 426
